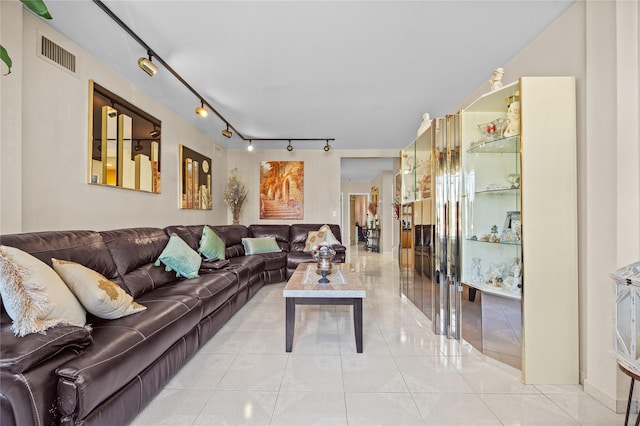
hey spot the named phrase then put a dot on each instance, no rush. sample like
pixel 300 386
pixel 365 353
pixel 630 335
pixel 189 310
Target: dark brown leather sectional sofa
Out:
pixel 107 375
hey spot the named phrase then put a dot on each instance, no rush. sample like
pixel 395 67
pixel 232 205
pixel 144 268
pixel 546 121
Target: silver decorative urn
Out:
pixel 323 255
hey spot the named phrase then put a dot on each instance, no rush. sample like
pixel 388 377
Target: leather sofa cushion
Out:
pixel 232 236
pixel 274 260
pixel 191 234
pixel 247 267
pixel 298 257
pixel 213 289
pixel 279 232
pixel 134 247
pixel 123 348
pixel 84 247
pixel 134 251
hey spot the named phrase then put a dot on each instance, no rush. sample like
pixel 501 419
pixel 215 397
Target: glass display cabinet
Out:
pixel 518 237
pixel 492 228
pixel 489 226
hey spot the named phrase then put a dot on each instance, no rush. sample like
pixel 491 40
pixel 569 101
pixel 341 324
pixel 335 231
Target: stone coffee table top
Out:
pixel 342 283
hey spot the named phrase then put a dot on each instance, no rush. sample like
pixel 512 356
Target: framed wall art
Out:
pixel 195 180
pixel 281 190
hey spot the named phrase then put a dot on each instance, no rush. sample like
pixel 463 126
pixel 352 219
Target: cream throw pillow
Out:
pixel 329 238
pixel 34 296
pixel 103 298
pixel 314 238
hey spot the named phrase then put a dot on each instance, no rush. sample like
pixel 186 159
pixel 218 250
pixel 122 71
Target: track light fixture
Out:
pixel 327 147
pixel 146 65
pixel 201 110
pixel 250 147
pixel 155 132
pixel 138 147
pixel 227 133
pixel 150 68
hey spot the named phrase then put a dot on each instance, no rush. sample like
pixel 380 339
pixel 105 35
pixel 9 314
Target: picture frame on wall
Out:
pixel 195 180
pixel 281 190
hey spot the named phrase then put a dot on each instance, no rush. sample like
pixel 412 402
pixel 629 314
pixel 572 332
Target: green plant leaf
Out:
pixel 38 7
pixel 4 55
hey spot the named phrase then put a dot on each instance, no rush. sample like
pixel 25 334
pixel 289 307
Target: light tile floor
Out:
pixel 406 376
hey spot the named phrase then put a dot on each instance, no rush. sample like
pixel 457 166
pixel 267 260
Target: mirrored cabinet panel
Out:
pixel 124 143
pixel 416 222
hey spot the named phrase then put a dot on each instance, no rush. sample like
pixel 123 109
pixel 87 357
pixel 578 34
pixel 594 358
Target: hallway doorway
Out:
pixel 357 216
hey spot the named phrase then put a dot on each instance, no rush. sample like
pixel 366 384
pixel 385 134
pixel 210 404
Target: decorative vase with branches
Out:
pixel 235 195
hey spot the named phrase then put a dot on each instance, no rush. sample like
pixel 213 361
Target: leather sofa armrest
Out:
pixel 19 354
pixel 339 248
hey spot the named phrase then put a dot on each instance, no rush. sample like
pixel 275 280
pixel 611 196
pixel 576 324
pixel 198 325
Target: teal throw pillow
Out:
pixel 211 245
pixel 260 245
pixel 178 256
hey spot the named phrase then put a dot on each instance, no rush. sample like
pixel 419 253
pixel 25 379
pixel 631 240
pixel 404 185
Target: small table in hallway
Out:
pixel 303 288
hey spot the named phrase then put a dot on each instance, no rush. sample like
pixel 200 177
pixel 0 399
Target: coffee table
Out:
pixel 344 288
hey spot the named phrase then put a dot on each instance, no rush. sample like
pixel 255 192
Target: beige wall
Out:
pixel 322 186
pixel 44 161
pixel 11 119
pixel 321 183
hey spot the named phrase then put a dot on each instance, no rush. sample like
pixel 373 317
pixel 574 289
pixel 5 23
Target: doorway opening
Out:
pixel 357 218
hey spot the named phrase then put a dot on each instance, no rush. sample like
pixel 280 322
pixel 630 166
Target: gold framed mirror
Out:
pixel 124 143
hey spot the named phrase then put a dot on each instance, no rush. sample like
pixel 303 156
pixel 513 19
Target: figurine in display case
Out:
pixel 512 125
pixel 516 270
pixel 496 274
pixel 476 275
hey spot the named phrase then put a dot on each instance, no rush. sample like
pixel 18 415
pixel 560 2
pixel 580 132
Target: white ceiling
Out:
pixel 362 72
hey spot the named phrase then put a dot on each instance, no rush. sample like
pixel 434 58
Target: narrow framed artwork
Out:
pixel 281 190
pixel 195 180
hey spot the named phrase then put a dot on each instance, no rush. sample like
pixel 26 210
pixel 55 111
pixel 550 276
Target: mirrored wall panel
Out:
pixel 124 143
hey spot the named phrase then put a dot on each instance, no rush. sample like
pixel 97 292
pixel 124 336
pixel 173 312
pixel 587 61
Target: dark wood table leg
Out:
pixel 290 322
pixel 626 419
pixel 357 323
pixel 634 376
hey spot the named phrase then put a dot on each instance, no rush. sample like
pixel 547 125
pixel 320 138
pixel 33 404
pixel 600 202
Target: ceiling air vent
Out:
pixel 57 54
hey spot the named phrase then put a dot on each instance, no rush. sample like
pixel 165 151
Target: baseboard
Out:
pixel 617 405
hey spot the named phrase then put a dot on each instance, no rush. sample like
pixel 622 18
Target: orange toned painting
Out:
pixel 281 189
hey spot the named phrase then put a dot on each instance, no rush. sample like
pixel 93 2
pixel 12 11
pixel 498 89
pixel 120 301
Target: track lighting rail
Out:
pixel 152 54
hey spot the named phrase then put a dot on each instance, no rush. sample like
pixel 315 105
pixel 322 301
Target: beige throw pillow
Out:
pixel 329 238
pixel 314 238
pixel 103 298
pixel 33 294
